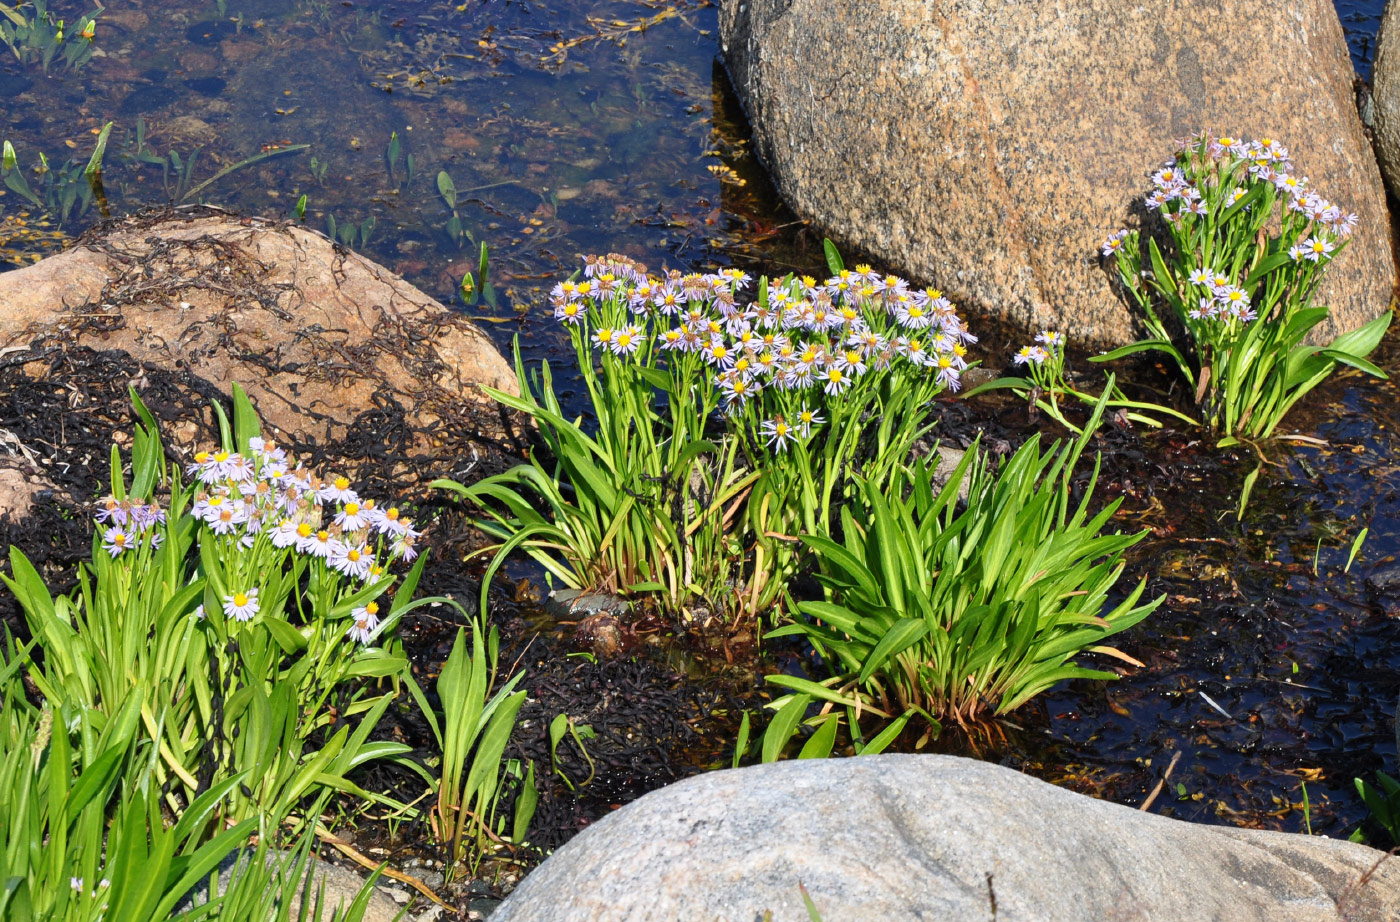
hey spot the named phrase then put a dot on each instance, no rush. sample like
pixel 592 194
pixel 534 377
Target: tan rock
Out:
pixel 988 148
pixel 316 334
pixel 20 485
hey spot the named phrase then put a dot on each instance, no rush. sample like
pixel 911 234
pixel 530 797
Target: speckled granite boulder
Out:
pixel 988 147
pixel 904 837
pixel 1385 96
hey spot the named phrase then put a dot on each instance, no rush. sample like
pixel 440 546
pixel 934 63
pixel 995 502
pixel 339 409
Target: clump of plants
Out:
pixel 225 658
pixel 941 609
pixel 251 605
pixel 34 35
pixel 62 188
pixel 1227 295
pixel 728 414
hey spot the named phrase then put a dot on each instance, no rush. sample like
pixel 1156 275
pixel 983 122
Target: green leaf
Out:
pixel 833 258
pixel 820 743
pixel 447 190
pixel 1246 489
pixel 94 164
pixel 1145 345
pixel 783 726
pixel 897 639
pixel 885 737
pixel 741 743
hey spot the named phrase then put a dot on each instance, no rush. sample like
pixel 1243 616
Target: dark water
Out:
pixel 1360 20
pixel 572 128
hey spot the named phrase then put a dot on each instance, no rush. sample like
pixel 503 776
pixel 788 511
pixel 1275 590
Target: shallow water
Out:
pixel 571 128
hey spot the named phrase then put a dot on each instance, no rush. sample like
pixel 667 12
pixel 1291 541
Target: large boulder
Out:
pixel 989 148
pixel 326 342
pixel 1385 96
pixel 906 837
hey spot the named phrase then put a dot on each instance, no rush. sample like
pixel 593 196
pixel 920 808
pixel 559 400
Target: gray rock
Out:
pixel 988 148
pixel 342 886
pixel 578 603
pixel 906 837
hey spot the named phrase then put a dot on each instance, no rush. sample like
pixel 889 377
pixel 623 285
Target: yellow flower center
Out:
pixel 221 457
pixel 353 555
pixel 303 530
pixel 342 483
pixel 352 508
pixel 240 599
pixel 372 608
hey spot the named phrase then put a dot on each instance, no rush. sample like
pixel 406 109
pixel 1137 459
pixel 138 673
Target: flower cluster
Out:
pixel 1209 176
pixel 1264 161
pixel 1247 244
pixel 259 501
pixel 258 495
pixel 805 340
pixel 129 525
pixel 1049 344
pixel 1222 299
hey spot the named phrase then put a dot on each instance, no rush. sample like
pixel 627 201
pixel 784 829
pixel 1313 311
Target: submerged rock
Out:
pixel 988 148
pixel 327 343
pixel 906 837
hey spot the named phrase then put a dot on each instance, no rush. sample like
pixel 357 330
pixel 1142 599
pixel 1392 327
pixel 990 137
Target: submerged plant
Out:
pixel 34 35
pixel 947 610
pixel 1230 299
pixel 71 185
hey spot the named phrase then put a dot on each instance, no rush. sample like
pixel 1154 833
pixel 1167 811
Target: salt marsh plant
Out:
pixel 1228 294
pixel 251 614
pixel 726 415
pixel 942 609
pixel 472 731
